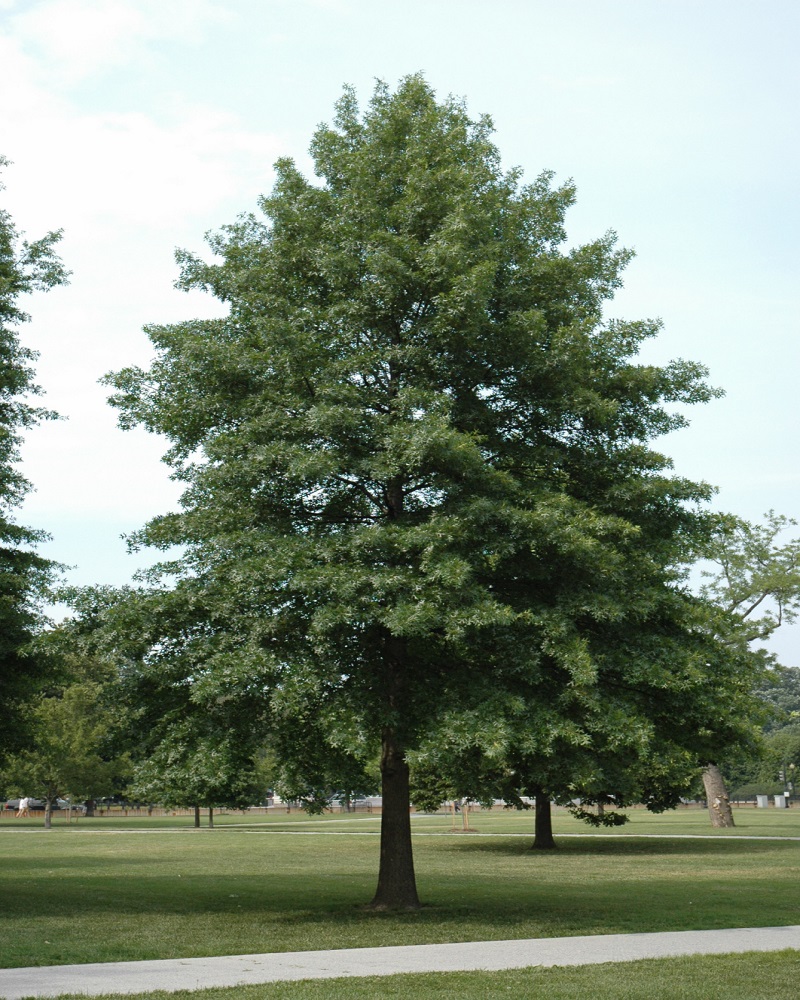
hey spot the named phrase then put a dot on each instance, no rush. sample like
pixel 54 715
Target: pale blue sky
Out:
pixel 138 125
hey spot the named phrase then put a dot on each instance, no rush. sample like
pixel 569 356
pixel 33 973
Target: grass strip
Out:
pixel 749 976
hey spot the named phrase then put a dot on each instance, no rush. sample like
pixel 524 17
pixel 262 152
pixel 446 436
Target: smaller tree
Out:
pixel 190 767
pixel 189 746
pixel 666 696
pixel 71 752
pixel 753 575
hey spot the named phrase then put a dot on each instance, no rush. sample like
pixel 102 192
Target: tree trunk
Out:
pixel 211 817
pixel 89 804
pixel 197 817
pixel 543 824
pixel 48 814
pixel 397 886
pixel 719 805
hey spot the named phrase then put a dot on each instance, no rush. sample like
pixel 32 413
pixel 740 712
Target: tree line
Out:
pixel 425 542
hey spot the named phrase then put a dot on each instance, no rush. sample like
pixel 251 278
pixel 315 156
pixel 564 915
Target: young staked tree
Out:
pixel 24 267
pixel 416 456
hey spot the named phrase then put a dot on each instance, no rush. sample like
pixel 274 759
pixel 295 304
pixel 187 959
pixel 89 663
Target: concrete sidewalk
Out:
pixel 235 970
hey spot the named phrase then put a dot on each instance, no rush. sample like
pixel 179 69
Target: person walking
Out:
pixel 24 808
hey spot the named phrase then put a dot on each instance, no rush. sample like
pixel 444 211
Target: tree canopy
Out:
pixel 753 572
pixel 24 267
pixel 417 466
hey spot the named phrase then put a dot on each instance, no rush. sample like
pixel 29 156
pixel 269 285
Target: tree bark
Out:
pixel 48 814
pixel 543 824
pixel 211 817
pixel 397 886
pixel 197 817
pixel 89 804
pixel 719 805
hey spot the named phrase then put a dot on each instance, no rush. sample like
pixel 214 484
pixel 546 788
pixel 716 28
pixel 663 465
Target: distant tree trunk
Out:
pixel 719 806
pixel 543 824
pixel 211 817
pixel 48 814
pixel 197 817
pixel 89 806
pixel 397 886
pixel 601 810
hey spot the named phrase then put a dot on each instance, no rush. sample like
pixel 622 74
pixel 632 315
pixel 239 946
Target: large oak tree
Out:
pixel 416 457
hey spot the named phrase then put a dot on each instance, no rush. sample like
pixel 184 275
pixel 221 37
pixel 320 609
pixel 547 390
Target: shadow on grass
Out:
pixel 626 846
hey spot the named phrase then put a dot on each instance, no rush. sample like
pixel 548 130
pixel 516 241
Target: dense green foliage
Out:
pixel 71 726
pixel 419 485
pixel 182 752
pixel 24 267
pixel 780 689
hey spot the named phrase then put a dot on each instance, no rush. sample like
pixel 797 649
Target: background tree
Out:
pixel 202 769
pixel 753 574
pixel 416 458
pixel 71 751
pixel 24 575
pixel 780 690
pixel 186 749
pixel 758 773
pixel 640 737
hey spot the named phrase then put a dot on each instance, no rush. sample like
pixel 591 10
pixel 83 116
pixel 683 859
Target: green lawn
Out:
pixel 100 891
pixel 755 976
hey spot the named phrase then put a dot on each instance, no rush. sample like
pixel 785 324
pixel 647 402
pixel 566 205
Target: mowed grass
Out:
pixel 92 893
pixel 753 976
